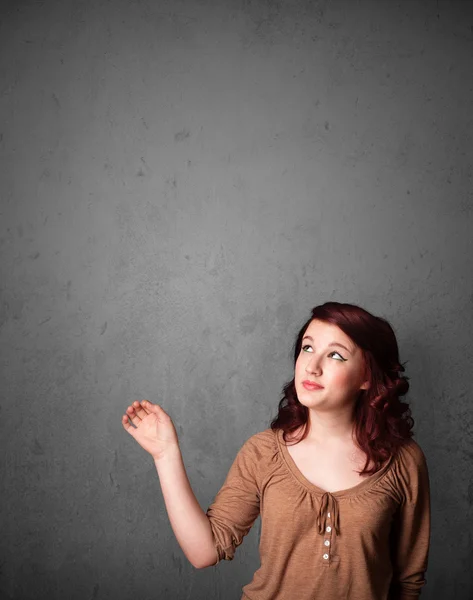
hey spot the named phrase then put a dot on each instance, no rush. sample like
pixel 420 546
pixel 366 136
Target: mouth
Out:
pixel 311 386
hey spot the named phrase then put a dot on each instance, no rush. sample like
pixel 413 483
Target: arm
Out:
pixel 190 524
pixel 204 538
pixel 154 430
pixel 207 538
pixel 410 534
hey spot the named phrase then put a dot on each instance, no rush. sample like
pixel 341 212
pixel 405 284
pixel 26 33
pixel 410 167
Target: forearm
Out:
pixel 189 522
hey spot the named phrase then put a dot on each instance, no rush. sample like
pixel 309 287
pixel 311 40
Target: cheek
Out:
pixel 300 367
pixel 342 378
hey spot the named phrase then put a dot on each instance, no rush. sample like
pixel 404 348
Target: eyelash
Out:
pixel 334 352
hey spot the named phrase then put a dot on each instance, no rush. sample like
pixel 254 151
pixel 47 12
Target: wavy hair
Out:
pixel 382 423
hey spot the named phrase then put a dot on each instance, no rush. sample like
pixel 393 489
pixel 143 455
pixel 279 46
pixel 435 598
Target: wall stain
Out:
pixel 11 310
pixel 470 494
pixel 103 329
pixel 142 171
pixel 177 562
pixel 37 448
pixel 182 135
pixel 248 323
pixel 56 101
pixel 171 182
pixel 114 484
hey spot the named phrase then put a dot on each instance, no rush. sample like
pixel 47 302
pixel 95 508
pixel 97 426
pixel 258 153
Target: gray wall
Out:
pixel 180 183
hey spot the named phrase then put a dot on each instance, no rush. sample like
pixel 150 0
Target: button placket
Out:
pixel 327 542
pixel 327 523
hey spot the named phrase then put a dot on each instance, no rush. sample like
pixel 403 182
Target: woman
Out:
pixel 341 486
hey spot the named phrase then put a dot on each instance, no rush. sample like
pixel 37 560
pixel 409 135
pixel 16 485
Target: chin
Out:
pixel 308 399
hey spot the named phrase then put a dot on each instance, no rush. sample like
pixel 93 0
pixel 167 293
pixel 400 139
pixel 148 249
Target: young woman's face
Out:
pixel 330 359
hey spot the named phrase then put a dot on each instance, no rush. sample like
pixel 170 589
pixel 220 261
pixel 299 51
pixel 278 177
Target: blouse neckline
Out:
pixel 364 485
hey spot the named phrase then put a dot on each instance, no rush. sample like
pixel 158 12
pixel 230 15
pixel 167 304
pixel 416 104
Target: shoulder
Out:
pixel 411 456
pixel 259 455
pixel 411 470
pixel 260 452
pixel 263 442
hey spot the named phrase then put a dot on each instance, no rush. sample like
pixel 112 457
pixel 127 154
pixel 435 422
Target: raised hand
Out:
pixel 152 428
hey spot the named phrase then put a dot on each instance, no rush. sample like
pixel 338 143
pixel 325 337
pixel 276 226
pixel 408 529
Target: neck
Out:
pixel 327 428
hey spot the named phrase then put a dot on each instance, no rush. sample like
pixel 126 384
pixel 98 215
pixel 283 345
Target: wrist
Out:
pixel 170 455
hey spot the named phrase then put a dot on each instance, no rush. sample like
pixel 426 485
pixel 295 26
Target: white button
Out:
pixel 327 543
pixel 329 529
pixel 326 556
pixel 328 515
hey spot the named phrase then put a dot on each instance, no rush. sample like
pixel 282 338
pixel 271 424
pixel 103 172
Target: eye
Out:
pixel 341 357
pixel 306 348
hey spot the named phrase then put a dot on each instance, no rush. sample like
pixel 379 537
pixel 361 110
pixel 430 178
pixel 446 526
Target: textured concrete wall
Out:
pixel 181 182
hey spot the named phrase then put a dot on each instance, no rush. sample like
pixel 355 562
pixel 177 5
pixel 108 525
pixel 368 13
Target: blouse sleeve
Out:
pixel 237 504
pixel 410 534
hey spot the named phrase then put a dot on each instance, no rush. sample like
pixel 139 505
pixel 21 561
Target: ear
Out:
pixel 365 385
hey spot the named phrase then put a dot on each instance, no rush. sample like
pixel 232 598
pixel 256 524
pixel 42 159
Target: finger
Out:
pixel 155 408
pixel 146 405
pixel 127 425
pixel 134 418
pixel 139 410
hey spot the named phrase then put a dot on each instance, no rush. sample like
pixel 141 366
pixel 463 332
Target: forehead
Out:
pixel 324 333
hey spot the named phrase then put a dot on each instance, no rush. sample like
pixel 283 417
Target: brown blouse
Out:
pixel 368 542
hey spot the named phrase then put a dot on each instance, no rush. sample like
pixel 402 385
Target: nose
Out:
pixel 313 366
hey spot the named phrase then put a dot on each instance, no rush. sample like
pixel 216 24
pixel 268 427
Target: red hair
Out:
pixel 382 422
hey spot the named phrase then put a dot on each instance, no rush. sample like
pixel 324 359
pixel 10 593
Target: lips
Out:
pixel 310 385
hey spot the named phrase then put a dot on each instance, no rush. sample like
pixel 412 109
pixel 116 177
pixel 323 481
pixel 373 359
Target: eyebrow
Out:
pixel 331 343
